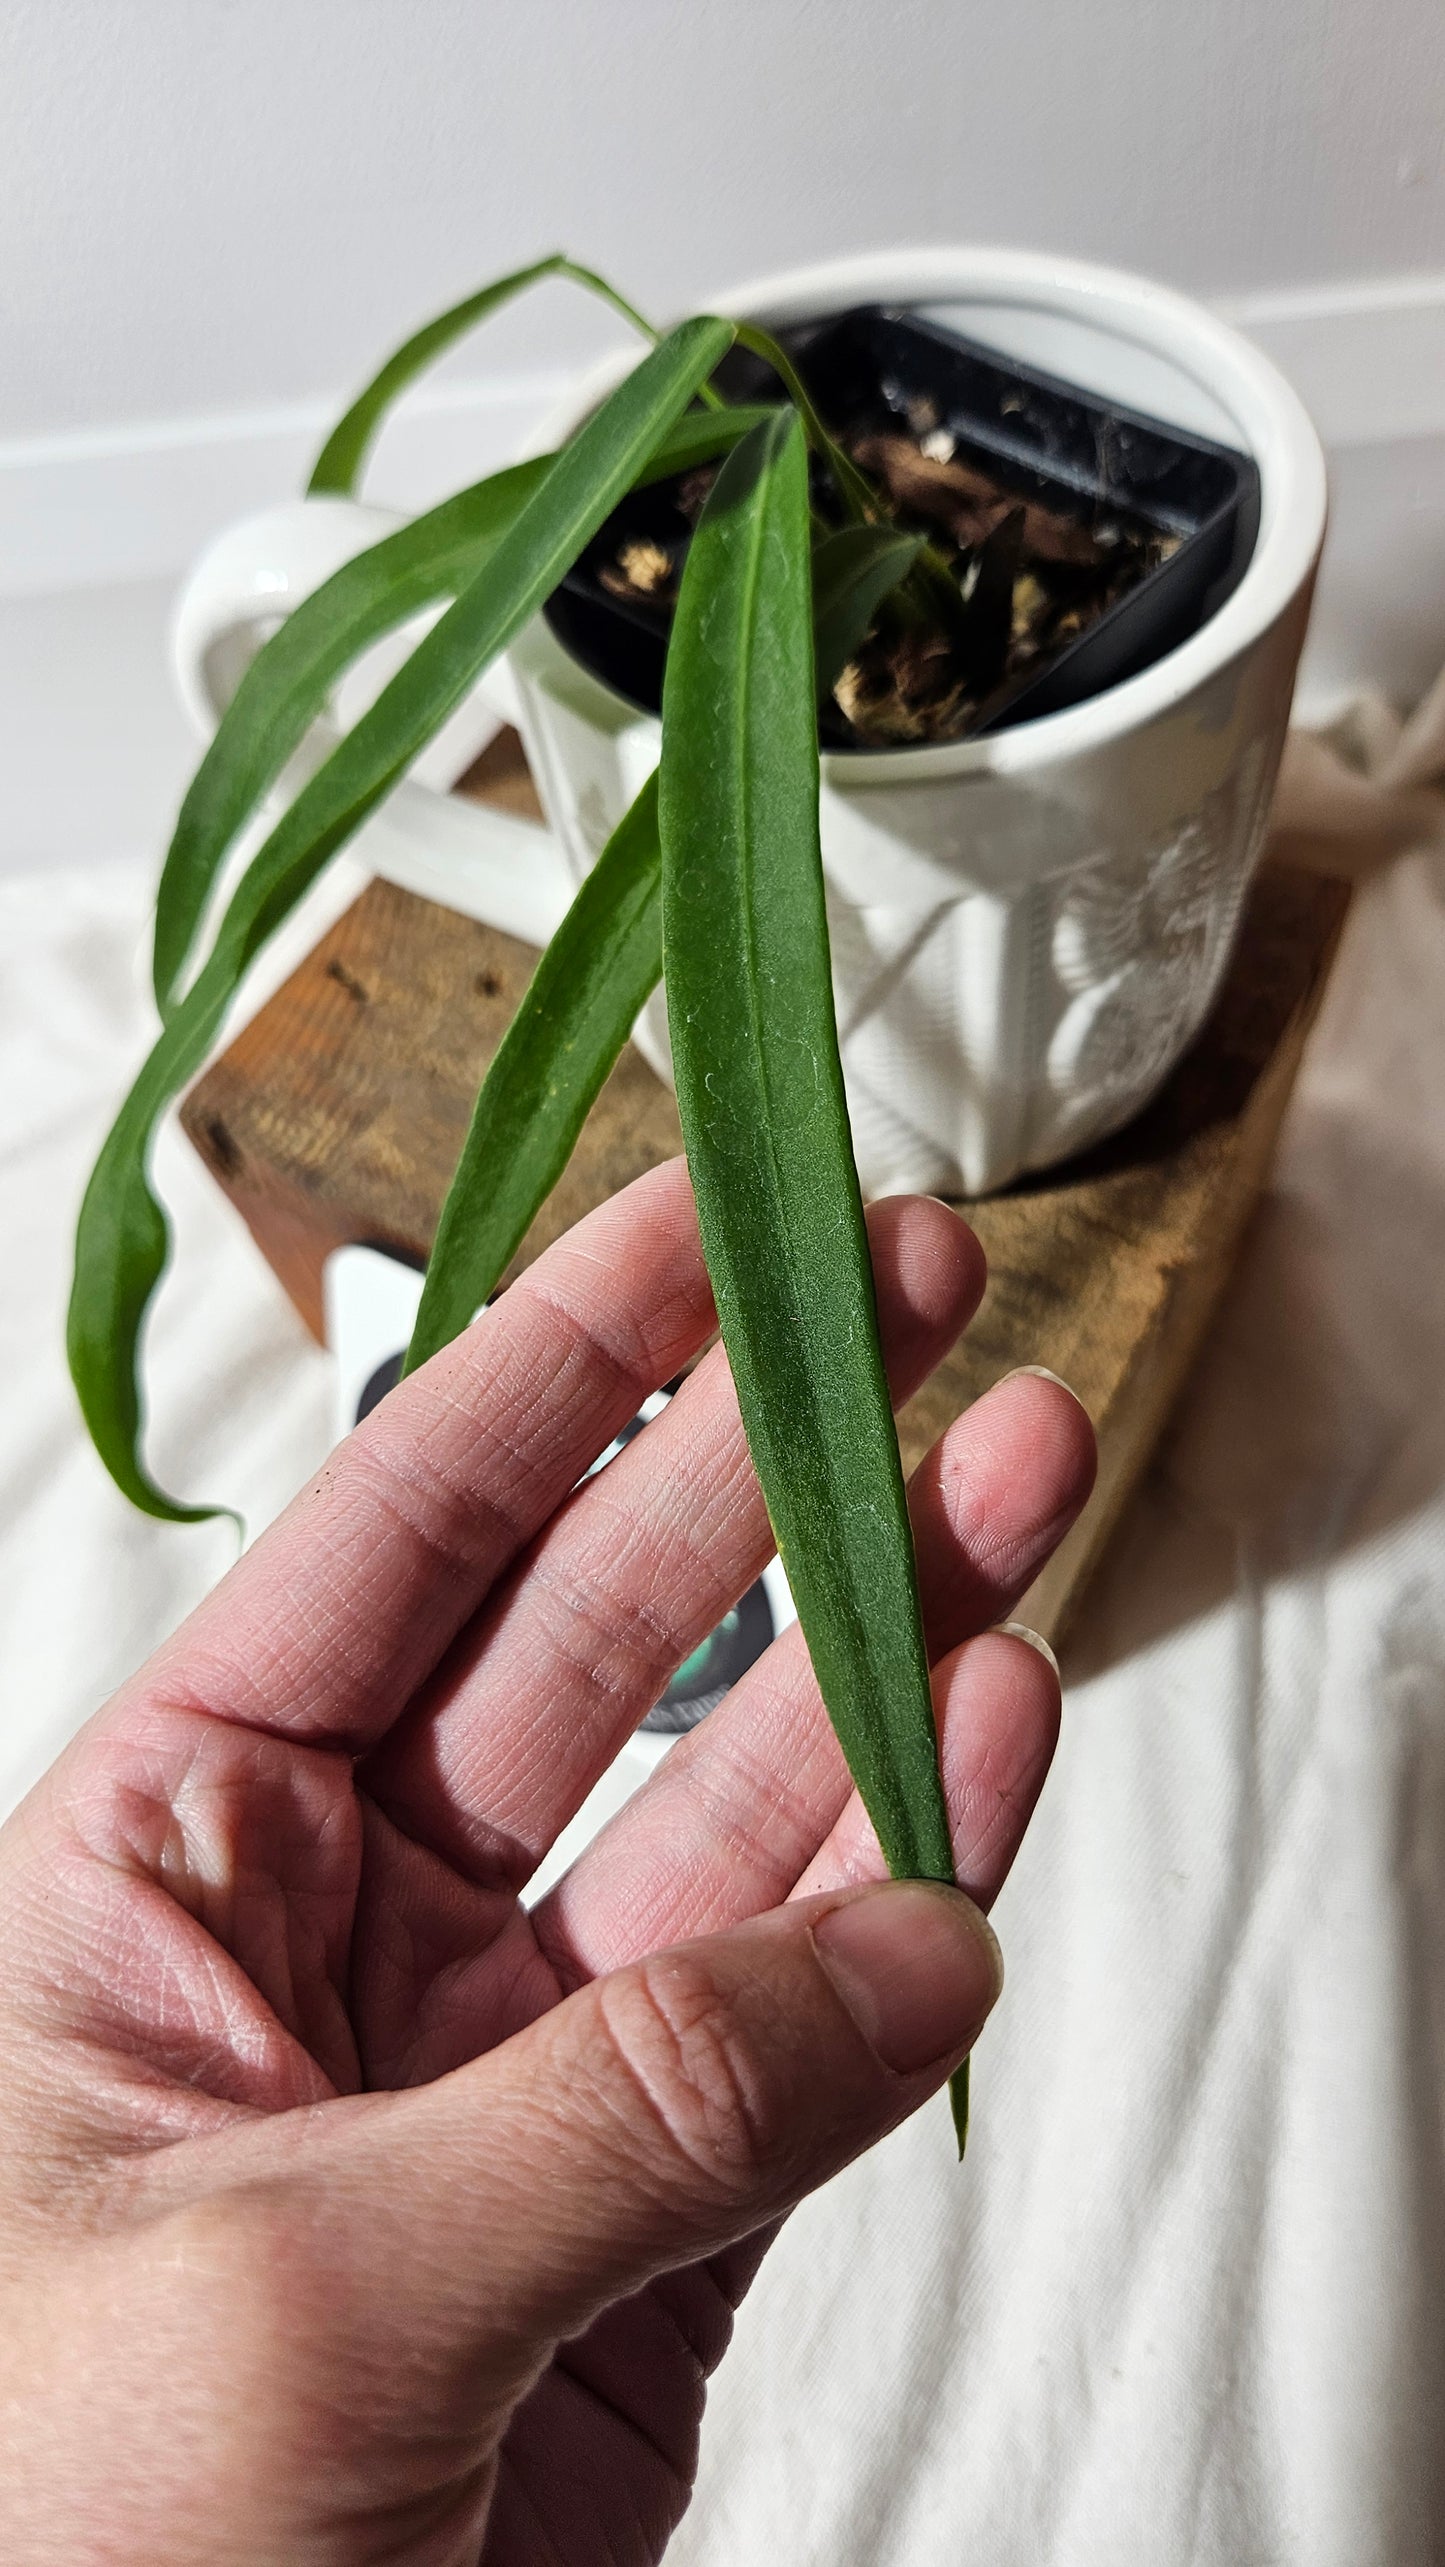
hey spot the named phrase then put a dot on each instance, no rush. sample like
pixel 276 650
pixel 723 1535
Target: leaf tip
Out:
pixel 958 2105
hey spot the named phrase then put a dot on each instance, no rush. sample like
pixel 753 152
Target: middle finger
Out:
pixel 738 1810
pixel 552 1677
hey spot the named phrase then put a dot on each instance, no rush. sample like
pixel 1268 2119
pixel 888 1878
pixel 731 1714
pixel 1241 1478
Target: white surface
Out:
pixel 217 218
pixel 137 498
pixel 95 751
pixel 1183 2303
pixel 87 1586
pixel 1027 929
pixel 207 207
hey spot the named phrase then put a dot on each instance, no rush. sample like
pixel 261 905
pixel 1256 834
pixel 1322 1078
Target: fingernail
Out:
pixel 1042 1373
pixel 917 1968
pixel 1031 1640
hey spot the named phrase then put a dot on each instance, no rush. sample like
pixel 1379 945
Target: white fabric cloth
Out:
pixel 1184 2302
pixel 240 1395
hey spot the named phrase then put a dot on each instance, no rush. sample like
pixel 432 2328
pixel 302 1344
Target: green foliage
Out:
pixel 338 466
pixel 760 1092
pixel 122 1238
pixel 603 962
pixel 716 867
pixel 853 571
pixel 289 682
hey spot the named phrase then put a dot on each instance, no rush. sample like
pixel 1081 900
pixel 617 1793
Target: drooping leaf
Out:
pixel 121 1245
pixel 122 1239
pixel 700 438
pixel 338 466
pixel 602 963
pixel 853 571
pixel 760 1089
pixel 861 501
pixel 288 683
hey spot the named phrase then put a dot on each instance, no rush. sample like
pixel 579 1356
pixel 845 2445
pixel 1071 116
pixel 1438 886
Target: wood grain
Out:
pixel 338 1113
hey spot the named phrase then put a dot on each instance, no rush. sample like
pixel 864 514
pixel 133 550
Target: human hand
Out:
pixel 348 2212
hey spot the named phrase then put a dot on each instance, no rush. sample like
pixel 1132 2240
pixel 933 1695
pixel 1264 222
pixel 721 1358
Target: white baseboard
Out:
pixel 114 517
pixel 1367 360
pixel 135 502
pixel 139 502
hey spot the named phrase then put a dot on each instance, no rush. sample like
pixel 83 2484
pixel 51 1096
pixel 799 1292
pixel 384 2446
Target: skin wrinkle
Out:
pixel 639 2517
pixel 586 1634
pixel 425 2245
pixel 568 2367
pixel 975 1485
pixel 692 1457
pixel 1000 1784
pixel 784 1679
pixel 529 1377
pixel 632 1364
pixel 735 1819
pixel 208 1848
pixel 584 1640
pixel 989 1813
pixel 636 2341
pixel 696 1781
pixel 515 2492
pixel 688 2045
pixel 705 2323
pixel 457 2016
pixel 573 1562
pixel 533 1782
pixel 205 2022
pixel 466 1547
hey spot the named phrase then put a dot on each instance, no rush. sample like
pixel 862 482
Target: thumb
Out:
pixel 676 2106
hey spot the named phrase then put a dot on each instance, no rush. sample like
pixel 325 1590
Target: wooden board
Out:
pixel 338 1113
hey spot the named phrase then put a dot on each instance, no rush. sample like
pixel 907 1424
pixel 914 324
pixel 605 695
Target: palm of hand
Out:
pixel 293 2108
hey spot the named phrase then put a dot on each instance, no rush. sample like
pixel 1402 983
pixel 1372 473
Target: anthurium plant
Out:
pixel 713 882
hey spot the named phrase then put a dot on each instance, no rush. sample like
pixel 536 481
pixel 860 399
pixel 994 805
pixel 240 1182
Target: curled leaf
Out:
pixel 291 678
pixel 122 1238
pixel 338 466
pixel 578 1009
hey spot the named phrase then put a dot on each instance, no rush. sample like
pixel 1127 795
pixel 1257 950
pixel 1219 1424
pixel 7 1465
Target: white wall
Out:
pixel 214 214
pixel 215 204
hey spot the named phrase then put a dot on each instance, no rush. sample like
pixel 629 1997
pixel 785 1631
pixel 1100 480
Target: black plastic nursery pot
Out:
pixel 1182 508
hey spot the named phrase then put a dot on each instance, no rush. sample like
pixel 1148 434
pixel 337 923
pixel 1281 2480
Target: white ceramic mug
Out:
pixel 1027 929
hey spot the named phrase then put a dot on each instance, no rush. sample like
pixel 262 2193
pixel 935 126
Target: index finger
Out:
pixel 325 1629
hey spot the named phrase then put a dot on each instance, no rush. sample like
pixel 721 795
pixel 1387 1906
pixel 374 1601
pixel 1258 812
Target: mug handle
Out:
pixel 488 864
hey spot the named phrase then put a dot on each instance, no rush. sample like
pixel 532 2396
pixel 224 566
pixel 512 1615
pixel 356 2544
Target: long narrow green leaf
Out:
pixel 339 463
pixel 287 684
pixel 853 571
pixel 122 1239
pixel 857 493
pixel 603 962
pixel 760 1089
pixel 700 438
pixel 289 681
